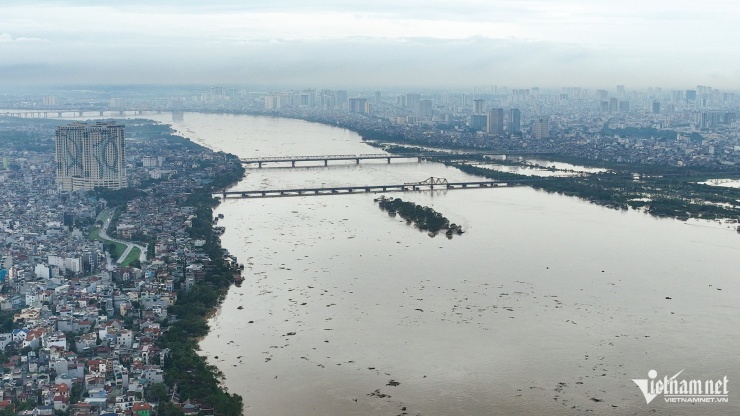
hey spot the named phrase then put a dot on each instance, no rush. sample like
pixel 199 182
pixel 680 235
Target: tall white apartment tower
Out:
pixel 90 156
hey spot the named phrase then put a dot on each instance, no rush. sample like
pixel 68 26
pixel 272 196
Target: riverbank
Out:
pixel 174 213
pixel 189 371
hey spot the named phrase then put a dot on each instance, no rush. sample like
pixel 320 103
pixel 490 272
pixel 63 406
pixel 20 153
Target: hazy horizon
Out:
pixel 383 44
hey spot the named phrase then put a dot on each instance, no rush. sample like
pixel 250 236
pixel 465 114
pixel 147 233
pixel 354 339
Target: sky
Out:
pixel 372 44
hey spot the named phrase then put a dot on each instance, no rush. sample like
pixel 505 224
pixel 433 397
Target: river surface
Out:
pixel 546 305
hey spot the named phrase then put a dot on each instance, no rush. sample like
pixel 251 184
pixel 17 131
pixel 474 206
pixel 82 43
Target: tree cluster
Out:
pixel 424 218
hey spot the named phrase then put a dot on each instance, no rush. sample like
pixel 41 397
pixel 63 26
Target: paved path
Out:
pixel 129 245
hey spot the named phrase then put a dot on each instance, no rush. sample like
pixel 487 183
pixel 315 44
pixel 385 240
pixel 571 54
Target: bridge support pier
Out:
pixel 259 164
pixel 389 161
pixel 59 114
pixel 357 161
pixel 101 114
pixel 79 113
pixel 292 162
pixel 326 162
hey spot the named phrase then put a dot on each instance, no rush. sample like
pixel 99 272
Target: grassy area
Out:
pixel 120 248
pixel 132 255
pixel 103 215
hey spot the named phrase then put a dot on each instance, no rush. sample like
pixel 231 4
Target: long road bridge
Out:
pixel 74 113
pixel 377 156
pixel 431 183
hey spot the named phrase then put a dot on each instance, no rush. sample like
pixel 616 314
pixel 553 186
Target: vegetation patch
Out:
pixel 133 256
pixel 424 218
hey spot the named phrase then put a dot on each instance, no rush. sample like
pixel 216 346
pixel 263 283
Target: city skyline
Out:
pixel 379 44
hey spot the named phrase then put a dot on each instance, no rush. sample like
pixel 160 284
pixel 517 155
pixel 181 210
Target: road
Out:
pixel 129 245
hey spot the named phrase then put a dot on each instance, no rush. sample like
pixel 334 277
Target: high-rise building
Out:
pixel 541 130
pixel 341 97
pixel 613 105
pixel 357 105
pixel 478 122
pixel 496 121
pixel 656 107
pixel 515 121
pixel 378 97
pixel 411 100
pixel 90 156
pixel 478 106
pixel 424 108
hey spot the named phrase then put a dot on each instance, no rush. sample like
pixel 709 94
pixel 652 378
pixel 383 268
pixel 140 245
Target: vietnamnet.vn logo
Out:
pixel 683 391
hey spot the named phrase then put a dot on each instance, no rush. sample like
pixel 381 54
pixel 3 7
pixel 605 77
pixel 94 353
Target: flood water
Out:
pixel 546 305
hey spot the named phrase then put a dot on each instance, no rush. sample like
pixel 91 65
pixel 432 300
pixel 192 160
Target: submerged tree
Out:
pixel 424 218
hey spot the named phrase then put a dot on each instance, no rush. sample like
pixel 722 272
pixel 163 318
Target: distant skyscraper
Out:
pixel 90 156
pixel 613 105
pixel 341 97
pixel 424 108
pixel 620 90
pixel 496 121
pixel 378 97
pixel 358 105
pixel 478 122
pixel 478 106
pixel 515 121
pixel 690 95
pixel 656 107
pixel 624 106
pixel 412 100
pixel 541 130
pixel 49 100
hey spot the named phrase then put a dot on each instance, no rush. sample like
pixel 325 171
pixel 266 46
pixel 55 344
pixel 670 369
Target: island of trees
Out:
pixel 424 218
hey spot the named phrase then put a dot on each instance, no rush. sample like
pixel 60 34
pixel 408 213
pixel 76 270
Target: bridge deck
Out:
pixel 267 193
pixel 325 158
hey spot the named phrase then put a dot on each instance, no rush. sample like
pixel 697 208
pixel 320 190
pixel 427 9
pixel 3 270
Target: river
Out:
pixel 546 305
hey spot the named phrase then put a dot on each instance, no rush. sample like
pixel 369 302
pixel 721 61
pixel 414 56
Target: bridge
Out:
pixel 430 183
pixel 377 156
pixel 74 113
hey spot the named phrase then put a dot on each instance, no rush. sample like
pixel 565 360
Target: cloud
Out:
pixel 6 37
pixel 356 62
pixel 385 42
